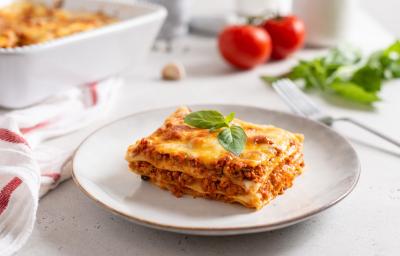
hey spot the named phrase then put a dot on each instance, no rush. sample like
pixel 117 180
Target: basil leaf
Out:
pixel 311 72
pixel 344 71
pixel 233 139
pixel 354 92
pixel 213 129
pixel 229 118
pixel 390 61
pixel 393 70
pixel 205 119
pixel 393 51
pixel 369 78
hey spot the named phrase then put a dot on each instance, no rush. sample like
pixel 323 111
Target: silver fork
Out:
pixel 302 105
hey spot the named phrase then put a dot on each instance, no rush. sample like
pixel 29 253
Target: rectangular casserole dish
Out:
pixel 30 74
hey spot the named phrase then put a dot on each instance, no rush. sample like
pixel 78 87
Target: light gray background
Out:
pixel 385 12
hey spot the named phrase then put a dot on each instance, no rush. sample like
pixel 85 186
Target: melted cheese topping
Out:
pixel 264 141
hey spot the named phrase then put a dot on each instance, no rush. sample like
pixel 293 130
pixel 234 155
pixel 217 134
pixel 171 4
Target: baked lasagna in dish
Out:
pixel 25 23
pixel 188 160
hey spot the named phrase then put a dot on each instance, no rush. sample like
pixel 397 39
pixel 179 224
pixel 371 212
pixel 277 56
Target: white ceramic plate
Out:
pixel 100 171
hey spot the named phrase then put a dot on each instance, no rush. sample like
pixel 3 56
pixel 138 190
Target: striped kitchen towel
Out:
pixel 29 169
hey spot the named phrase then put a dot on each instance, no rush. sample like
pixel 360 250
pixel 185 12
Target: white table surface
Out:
pixel 367 222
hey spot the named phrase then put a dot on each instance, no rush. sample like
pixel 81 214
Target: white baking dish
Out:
pixel 30 74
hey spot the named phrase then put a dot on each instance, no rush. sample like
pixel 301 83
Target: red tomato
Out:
pixel 287 35
pixel 245 46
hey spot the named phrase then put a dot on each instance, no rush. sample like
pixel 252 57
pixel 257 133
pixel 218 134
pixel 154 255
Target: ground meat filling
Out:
pixel 280 179
pixel 225 165
pixel 211 184
pixel 214 187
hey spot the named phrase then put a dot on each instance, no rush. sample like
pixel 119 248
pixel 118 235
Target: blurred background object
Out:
pixel 247 8
pixel 211 25
pixel 335 26
pixel 177 21
pixel 328 22
pixel 379 10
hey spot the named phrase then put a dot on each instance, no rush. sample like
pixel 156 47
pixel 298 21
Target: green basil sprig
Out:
pixel 345 72
pixel 231 137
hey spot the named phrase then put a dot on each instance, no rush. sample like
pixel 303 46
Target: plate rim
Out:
pixel 211 230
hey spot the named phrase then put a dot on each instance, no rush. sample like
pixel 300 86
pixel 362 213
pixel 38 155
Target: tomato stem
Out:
pixel 278 16
pixel 254 20
pixel 258 20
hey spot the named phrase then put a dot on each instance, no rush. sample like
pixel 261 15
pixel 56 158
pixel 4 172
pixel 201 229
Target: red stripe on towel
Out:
pixel 10 136
pixel 55 176
pixel 93 92
pixel 26 130
pixel 6 192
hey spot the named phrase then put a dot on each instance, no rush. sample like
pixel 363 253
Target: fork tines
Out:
pixel 295 98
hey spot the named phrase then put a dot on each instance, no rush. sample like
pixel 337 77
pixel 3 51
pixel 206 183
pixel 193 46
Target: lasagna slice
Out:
pixel 187 160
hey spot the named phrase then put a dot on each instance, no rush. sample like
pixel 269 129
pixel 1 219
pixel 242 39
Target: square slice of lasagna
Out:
pixel 187 160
